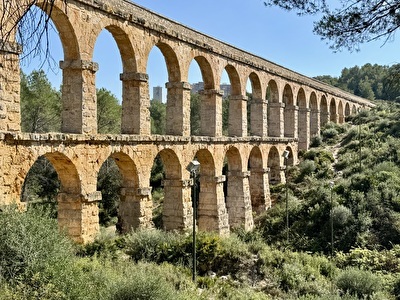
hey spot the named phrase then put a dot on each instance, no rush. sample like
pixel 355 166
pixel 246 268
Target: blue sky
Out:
pixel 276 35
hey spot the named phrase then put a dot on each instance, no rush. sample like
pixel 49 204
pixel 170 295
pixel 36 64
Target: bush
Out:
pixel 358 282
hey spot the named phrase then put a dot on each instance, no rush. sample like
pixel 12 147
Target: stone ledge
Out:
pixel 132 139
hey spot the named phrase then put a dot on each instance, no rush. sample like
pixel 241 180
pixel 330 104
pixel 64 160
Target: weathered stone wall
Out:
pixel 78 158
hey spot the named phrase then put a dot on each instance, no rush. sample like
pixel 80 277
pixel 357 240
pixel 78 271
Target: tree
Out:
pixel 108 112
pixel 30 22
pixel 195 114
pixel 157 116
pixel 40 104
pixel 353 23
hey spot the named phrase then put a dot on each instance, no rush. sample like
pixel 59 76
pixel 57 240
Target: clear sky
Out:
pixel 276 35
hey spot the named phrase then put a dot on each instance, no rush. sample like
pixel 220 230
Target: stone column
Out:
pixel 135 103
pixel 238 200
pixel 78 215
pixel 291 121
pixel 276 119
pixel 315 119
pixel 10 113
pixel 259 190
pixel 212 213
pixel 178 108
pixel 237 116
pixel 135 208
pixel 211 112
pixel 259 121
pixel 177 210
pixel 304 128
pixel 79 105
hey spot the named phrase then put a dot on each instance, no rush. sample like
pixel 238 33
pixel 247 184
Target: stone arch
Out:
pixel 290 112
pixel 303 125
pixel 256 108
pixel 133 84
pixel 77 212
pixel 237 120
pixel 314 115
pixel 234 78
pixel 72 77
pixel 178 94
pixel 274 166
pixel 210 101
pixel 258 181
pixel 353 109
pixel 171 61
pixel 65 29
pixel 324 110
pixel 125 47
pixel 333 111
pixel 347 111
pixel 66 171
pixel 272 92
pixel 174 210
pixel 274 110
pixel 131 206
pixel 212 213
pixel 237 194
pixel 340 112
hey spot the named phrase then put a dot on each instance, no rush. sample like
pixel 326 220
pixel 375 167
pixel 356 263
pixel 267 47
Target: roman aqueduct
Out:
pixel 286 110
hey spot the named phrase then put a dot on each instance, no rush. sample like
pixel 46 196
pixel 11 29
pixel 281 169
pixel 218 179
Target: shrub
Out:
pixel 358 282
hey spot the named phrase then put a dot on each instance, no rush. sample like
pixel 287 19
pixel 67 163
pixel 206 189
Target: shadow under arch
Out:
pixel 333 114
pixel 258 182
pixel 274 166
pixel 314 115
pixel 212 213
pixel 290 112
pixel 303 120
pixel 324 119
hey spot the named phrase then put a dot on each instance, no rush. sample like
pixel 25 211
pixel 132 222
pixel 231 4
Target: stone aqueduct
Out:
pixel 286 110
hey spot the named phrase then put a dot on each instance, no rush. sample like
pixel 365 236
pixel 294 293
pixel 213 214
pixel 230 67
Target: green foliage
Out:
pixel 41 185
pixel 195 114
pixel 158 117
pixel 109 183
pixel 358 282
pixel 108 112
pixel 40 104
pixel 225 115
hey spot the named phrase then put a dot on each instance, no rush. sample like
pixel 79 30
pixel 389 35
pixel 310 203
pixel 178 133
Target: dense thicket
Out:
pixel 368 81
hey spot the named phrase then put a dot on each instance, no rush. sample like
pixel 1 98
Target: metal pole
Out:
pixel 194 203
pixel 359 137
pixel 287 203
pixel 331 220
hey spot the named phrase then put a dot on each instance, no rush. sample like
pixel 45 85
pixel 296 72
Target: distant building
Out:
pixel 225 88
pixel 157 93
pixel 197 87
